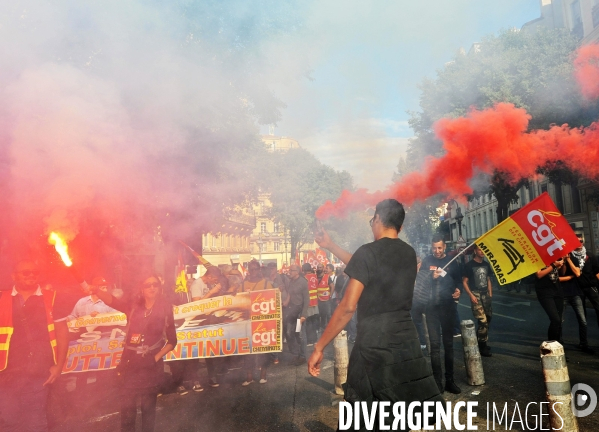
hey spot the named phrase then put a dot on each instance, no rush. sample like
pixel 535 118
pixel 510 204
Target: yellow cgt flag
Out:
pixel 529 240
pixel 181 282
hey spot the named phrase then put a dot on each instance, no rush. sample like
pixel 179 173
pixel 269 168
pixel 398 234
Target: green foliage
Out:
pixel 531 69
pixel 298 184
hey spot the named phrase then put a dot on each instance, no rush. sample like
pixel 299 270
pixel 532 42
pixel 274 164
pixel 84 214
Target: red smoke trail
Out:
pixel 483 141
pixel 586 70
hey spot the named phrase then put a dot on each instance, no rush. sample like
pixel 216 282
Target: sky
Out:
pixel 363 62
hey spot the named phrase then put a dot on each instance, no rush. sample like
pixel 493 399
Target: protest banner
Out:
pixel 530 239
pixel 246 323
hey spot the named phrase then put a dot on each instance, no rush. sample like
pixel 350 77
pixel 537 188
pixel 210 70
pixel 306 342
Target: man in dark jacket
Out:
pixel 440 287
pixel 296 309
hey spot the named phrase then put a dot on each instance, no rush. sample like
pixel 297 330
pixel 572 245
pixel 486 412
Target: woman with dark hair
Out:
pixel 150 336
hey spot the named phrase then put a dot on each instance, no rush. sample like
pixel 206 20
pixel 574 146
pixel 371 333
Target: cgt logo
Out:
pixel 264 303
pixel 264 333
pixel 584 400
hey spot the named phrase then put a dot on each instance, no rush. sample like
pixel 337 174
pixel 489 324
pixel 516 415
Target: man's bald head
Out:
pixel 294 271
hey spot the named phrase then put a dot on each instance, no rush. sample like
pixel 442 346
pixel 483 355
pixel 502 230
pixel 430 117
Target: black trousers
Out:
pixel 324 310
pixel 184 370
pixel 216 365
pixel 312 323
pixel 592 294
pixel 440 320
pixel 554 308
pixel 294 341
pixel 129 399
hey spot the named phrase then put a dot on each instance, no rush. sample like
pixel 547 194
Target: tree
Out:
pixel 298 184
pixel 531 69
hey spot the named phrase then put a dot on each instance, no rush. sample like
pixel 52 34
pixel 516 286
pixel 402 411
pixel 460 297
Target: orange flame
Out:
pixel 61 247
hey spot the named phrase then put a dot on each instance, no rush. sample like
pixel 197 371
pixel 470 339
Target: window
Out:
pixel 576 202
pixel 277 246
pixel 262 227
pixel 262 246
pixel 575 13
pixel 277 227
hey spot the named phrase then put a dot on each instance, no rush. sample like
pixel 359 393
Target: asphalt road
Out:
pixel 294 401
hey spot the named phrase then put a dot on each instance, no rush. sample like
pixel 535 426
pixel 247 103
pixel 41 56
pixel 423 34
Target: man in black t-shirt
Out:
pixel 477 284
pixel 386 363
pixel 440 281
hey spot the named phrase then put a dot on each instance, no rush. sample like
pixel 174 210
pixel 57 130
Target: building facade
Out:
pixel 230 243
pixel 575 202
pixel 581 17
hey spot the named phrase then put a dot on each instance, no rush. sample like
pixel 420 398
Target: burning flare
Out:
pixel 61 247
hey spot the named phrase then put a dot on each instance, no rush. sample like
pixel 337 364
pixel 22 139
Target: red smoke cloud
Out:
pixel 586 67
pixel 483 141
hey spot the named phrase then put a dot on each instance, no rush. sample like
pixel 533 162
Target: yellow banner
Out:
pixel 509 251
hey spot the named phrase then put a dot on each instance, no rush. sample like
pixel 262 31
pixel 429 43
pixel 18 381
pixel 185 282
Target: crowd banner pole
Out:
pixel 458 255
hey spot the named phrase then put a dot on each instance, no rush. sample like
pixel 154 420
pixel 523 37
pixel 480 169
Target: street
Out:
pixel 292 400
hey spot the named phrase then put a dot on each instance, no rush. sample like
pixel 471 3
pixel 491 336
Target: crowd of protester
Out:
pixel 35 317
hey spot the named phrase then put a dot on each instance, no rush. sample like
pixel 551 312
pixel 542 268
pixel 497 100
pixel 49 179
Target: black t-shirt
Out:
pixel 478 274
pixel 30 351
pixel 153 326
pixel 588 277
pixel 549 285
pixel 387 269
pixel 570 287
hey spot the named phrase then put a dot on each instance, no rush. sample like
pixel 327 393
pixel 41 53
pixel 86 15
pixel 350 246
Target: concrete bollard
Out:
pixel 472 359
pixel 341 361
pixel 557 386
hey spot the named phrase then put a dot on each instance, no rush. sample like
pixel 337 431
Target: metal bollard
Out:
pixel 557 385
pixel 472 359
pixel 341 361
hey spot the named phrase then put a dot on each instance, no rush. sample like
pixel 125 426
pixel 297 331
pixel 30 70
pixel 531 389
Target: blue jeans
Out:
pixel 457 328
pixel 577 305
pixel 417 312
pixel 352 327
pixel 440 322
pixel 23 401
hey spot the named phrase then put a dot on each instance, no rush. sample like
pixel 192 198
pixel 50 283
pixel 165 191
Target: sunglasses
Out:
pixel 151 285
pixel 29 273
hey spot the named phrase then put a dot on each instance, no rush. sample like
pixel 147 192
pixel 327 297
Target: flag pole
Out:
pixel 455 257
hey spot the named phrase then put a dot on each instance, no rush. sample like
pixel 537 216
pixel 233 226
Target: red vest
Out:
pixel 6 325
pixel 312 288
pixel 324 292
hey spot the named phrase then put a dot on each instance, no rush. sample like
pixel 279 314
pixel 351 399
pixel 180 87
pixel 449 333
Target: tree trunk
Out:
pixel 502 210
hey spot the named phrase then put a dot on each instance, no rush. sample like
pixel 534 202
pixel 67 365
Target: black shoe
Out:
pixel 451 387
pixel 299 361
pixel 484 349
pixel 586 349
